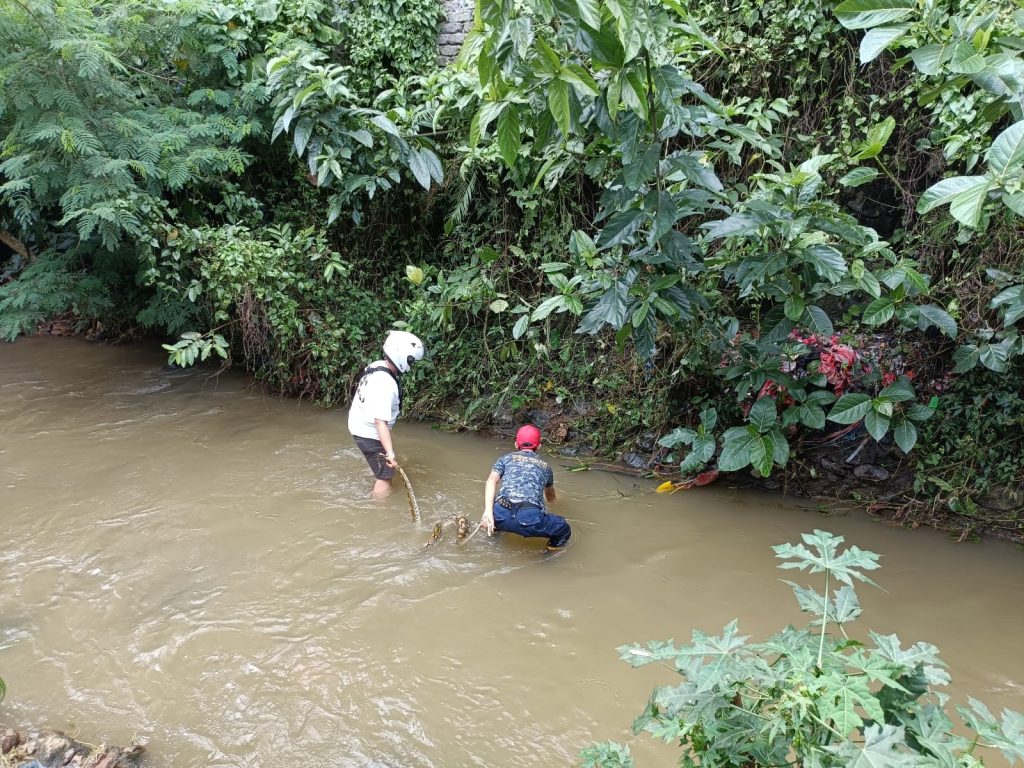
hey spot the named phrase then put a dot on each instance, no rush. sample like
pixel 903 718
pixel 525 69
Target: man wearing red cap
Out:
pixel 526 482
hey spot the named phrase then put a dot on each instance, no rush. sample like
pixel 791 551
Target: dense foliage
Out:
pixel 807 697
pixel 741 229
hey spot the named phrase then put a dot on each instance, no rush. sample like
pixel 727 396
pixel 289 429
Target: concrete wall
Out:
pixel 458 18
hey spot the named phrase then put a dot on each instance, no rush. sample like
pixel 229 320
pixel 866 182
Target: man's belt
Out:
pixel 516 506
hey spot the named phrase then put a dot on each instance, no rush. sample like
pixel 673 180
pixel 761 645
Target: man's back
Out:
pixel 524 476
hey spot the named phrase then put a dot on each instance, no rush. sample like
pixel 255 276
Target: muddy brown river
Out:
pixel 189 563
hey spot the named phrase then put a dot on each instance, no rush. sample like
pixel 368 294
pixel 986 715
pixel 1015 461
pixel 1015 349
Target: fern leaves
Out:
pixel 92 121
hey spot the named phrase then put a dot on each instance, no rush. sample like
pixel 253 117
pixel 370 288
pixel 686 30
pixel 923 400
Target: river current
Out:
pixel 192 564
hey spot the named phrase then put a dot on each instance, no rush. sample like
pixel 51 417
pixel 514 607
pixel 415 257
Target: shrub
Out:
pixel 805 697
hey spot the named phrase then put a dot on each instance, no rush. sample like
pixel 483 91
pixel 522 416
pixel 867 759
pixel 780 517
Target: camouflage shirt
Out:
pixel 524 476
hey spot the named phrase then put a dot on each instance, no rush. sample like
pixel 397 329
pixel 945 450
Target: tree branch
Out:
pixel 15 245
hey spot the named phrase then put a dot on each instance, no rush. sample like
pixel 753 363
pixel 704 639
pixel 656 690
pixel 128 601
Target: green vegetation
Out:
pixel 806 697
pixel 745 230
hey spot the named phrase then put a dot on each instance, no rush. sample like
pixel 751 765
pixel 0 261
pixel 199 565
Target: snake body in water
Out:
pixel 462 534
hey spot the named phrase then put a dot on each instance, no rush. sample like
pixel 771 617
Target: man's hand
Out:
pixel 487 521
pixel 391 460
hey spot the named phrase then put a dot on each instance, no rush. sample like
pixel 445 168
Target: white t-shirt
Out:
pixel 376 398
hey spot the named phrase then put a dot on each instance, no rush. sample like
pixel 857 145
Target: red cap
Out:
pixel 528 436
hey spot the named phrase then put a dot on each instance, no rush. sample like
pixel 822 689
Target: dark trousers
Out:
pixel 531 522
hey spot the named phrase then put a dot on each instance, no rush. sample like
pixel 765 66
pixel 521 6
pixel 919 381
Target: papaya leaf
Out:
pixel 822 555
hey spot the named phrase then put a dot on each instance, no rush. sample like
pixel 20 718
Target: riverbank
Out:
pixel 53 749
pixel 615 422
pixel 845 469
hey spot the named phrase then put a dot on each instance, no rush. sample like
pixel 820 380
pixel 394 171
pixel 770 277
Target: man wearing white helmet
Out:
pixel 376 401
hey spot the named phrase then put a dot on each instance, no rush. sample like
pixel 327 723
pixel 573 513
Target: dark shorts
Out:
pixel 373 452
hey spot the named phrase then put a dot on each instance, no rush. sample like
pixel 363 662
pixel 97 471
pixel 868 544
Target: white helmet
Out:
pixel 403 348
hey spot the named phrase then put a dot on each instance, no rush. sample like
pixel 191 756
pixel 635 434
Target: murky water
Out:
pixel 193 564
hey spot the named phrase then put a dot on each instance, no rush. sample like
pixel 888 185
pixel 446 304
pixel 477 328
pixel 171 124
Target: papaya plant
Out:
pixel 814 695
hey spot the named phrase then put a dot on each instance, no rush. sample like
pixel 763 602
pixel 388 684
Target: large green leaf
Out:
pixel 703 449
pixel 383 122
pixel 862 14
pixel 879 311
pixel 839 699
pixel 508 133
pixel 1013 299
pixel 1006 734
pixel 737 224
pixel 877 424
pixel 558 103
pixel 966 358
pixel 845 606
pixel 908 659
pixel 580 79
pixel 880 749
pixel 1015 202
pixel 590 13
pixel 995 357
pixel 630 22
pixel 422 165
pixel 905 435
pixel 763 414
pixel 878 39
pixel 1006 154
pixel 967 206
pixel 966 60
pixel 811 415
pixel 933 315
pixel 817 320
pixel 850 408
pixel 610 309
pixel 620 226
pixel 827 261
pixel 642 168
pixel 822 555
pixel 546 307
pixel 859 176
pixel 634 93
pixel 780 446
pixel 794 307
pixel 878 136
pixel 736 448
pixel 716 652
pixel 666 213
pixel 929 58
pixel 762 454
pixel 899 391
pixel 947 190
